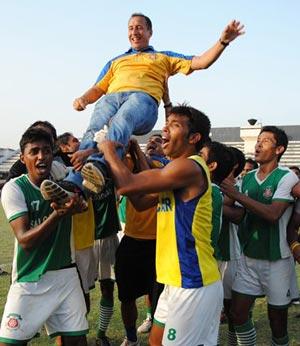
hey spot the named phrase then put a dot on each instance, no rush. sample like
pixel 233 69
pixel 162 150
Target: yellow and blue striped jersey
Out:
pixel 184 253
pixel 143 71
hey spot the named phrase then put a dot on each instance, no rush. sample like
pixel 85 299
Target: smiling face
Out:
pixel 37 156
pixel 266 149
pixel 138 33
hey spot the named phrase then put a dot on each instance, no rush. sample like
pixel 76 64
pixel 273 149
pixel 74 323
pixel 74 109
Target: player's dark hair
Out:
pixel 219 153
pixel 45 124
pixel 239 160
pixel 198 122
pixel 32 135
pixel 63 138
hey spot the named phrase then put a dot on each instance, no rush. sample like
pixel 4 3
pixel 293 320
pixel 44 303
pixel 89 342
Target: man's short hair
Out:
pixel 239 160
pixel 63 138
pixel 45 124
pixel 219 153
pixel 147 19
pixel 32 135
pixel 198 122
pixel 279 135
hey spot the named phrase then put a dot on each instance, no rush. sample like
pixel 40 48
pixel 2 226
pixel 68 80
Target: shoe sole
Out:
pixel 53 192
pixel 93 178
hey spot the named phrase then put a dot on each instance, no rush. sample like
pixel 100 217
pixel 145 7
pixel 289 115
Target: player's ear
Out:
pixel 22 158
pixel 195 138
pixel 279 149
pixel 212 166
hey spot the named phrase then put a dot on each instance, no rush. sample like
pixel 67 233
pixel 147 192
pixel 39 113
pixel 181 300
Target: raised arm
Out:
pixel 177 174
pixel 231 32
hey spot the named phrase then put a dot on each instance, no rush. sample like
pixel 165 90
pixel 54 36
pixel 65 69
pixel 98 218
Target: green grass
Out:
pixel 116 330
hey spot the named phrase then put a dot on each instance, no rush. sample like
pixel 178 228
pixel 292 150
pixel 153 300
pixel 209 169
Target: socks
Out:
pixel 246 334
pixel 231 336
pixel 280 341
pixel 105 314
pixel 149 313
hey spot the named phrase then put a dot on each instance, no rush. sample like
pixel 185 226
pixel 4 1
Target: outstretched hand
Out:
pixel 232 31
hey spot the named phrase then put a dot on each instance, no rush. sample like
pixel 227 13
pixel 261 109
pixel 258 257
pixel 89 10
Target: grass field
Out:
pixel 116 330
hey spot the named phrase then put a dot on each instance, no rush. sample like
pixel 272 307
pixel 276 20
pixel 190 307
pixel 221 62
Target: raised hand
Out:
pixel 232 31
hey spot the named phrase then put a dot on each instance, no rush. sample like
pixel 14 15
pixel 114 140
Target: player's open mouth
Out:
pixel 165 142
pixel 42 167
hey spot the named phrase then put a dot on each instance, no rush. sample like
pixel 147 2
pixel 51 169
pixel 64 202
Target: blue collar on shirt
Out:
pixel 147 49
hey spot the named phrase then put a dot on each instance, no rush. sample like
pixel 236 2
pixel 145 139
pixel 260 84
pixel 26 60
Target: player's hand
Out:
pixel 75 205
pixel 232 31
pixel 80 103
pixel 100 136
pixel 228 188
pixel 78 159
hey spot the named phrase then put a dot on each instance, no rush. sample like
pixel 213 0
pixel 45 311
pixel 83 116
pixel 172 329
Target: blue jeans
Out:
pixel 125 113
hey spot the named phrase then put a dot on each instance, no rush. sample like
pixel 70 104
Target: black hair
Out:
pixel 147 19
pixel 32 135
pixel 219 153
pixel 279 135
pixel 239 160
pixel 45 124
pixel 198 122
pixel 295 168
pixel 63 138
pixel 252 162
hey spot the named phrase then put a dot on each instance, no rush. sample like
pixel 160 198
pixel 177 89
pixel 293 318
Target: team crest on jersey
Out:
pixel 268 192
pixel 13 321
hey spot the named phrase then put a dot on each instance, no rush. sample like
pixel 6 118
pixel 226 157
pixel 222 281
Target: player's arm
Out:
pixel 233 213
pixel 90 96
pixel 177 174
pixel 292 233
pixel 29 238
pixel 231 32
pixel 270 212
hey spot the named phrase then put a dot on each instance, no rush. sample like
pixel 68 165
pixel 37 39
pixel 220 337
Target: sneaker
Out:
pixel 102 341
pixel 145 326
pixel 93 177
pixel 51 191
pixel 127 342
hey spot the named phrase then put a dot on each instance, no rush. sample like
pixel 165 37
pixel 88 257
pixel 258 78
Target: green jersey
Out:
pixel 20 197
pixel 217 204
pixel 106 215
pixel 262 239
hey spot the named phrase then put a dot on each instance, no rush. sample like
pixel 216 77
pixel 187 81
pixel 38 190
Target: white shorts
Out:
pixel 105 255
pixel 190 316
pixel 228 271
pixel 265 278
pixel 86 264
pixel 55 301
